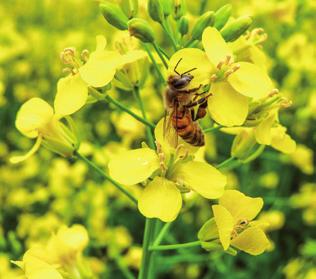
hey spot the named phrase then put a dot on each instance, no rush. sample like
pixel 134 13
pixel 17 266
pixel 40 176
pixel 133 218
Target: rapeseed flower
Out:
pixel 167 173
pixel 60 256
pixel 232 81
pixel 233 223
pixel 97 70
pixel 37 119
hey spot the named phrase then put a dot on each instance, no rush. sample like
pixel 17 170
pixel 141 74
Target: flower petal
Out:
pixel 225 224
pixel 33 114
pixel 36 146
pixel 36 268
pixel 251 81
pixel 133 166
pixel 72 94
pixel 252 241
pixel 201 178
pixel 160 199
pixel 100 68
pixel 227 107
pixel 263 130
pixel 131 56
pixel 187 59
pixel 215 46
pixel 240 206
pixel 100 43
pixel 282 141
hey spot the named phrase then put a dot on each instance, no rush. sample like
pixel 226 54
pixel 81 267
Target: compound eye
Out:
pixel 180 83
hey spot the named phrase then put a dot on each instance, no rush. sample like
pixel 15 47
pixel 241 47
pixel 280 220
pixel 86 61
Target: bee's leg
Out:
pixel 196 95
pixel 199 101
pixel 190 90
pixel 201 112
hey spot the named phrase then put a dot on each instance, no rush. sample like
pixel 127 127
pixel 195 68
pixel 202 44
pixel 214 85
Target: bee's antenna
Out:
pixel 175 68
pixel 188 71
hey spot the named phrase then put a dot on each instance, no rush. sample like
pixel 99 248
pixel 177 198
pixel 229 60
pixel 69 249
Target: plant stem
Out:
pixel 163 60
pixel 147 254
pixel 225 164
pixel 162 233
pixel 124 108
pixel 121 106
pixel 150 137
pixel 105 175
pixel 211 129
pixel 162 79
pixel 175 246
pixel 166 27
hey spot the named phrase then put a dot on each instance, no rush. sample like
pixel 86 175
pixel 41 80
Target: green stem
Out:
pixel 163 60
pixel 147 254
pixel 211 129
pixel 124 108
pixel 119 105
pixel 166 27
pixel 225 164
pixel 105 175
pixel 150 137
pixel 162 233
pixel 162 79
pixel 175 246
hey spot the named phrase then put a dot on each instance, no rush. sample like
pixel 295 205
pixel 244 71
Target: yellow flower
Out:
pixel 267 132
pixel 303 159
pixel 166 179
pixel 233 83
pixel 64 246
pixel 37 119
pixel 59 256
pixel 35 267
pixel 98 71
pixel 233 220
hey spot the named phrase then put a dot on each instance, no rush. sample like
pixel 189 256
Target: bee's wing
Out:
pixel 169 132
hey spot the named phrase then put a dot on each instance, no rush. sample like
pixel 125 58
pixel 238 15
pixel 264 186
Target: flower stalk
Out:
pixel 106 176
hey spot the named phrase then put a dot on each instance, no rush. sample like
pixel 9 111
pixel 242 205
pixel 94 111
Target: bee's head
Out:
pixel 179 81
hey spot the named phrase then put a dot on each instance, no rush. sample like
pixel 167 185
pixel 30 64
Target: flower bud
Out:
pixel 205 20
pixel 233 30
pixel 59 138
pixel 183 25
pixel 222 15
pixel 114 15
pixel 141 29
pixel 130 7
pixel 167 7
pixel 178 9
pixel 243 144
pixel 155 10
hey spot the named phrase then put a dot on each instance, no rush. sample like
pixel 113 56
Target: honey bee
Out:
pixel 180 103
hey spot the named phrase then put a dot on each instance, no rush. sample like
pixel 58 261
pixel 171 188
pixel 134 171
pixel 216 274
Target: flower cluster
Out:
pixel 110 115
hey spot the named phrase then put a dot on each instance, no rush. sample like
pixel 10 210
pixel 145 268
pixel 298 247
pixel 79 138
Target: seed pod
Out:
pixel 114 15
pixel 141 29
pixel 155 10
pixel 183 25
pixel 130 7
pixel 207 19
pixel 167 7
pixel 222 15
pixel 233 30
